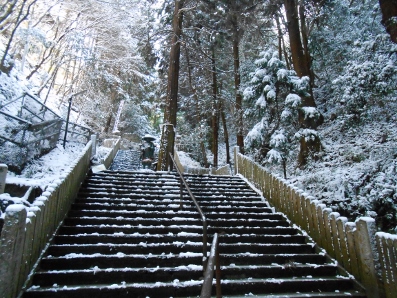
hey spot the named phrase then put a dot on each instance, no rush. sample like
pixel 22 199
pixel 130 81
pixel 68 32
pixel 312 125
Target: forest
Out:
pixel 306 88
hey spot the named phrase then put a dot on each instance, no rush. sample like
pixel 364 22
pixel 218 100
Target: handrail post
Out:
pixel 213 260
pixel 205 241
pixel 218 273
pixel 181 194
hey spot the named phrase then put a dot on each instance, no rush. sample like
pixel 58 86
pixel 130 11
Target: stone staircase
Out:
pixel 126 236
pixel 126 160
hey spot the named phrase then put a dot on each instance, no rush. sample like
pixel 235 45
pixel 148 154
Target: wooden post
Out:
pixel 328 235
pixel 335 236
pixel 315 228
pixel 321 226
pixel 351 244
pixel 387 261
pixel 11 249
pixel 3 175
pixel 94 143
pixel 365 235
pixel 340 223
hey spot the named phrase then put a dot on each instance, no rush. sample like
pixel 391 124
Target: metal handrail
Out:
pixel 202 215
pixel 213 260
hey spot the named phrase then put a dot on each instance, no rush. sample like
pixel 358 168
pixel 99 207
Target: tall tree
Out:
pixel 168 134
pixel 389 17
pixel 309 141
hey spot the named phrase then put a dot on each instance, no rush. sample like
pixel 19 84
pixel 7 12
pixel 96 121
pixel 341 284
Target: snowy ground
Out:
pixel 43 171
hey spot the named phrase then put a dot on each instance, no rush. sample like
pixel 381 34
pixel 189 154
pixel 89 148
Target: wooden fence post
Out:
pixel 3 175
pixel 328 235
pixel 351 244
pixel 387 249
pixel 340 223
pixel 11 247
pixel 365 235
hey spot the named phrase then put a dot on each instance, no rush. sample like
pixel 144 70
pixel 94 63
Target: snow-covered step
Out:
pixel 111 229
pixel 95 220
pixel 335 294
pixel 174 288
pixel 244 258
pixel 278 271
pixel 308 284
pixel 98 275
pixel 119 260
pixel 129 248
pixel 161 214
pixel 121 238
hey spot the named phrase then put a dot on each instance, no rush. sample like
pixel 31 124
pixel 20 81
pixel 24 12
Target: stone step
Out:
pixel 254 286
pixel 335 294
pixel 268 259
pixel 161 274
pixel 174 201
pixel 114 248
pixel 186 206
pixel 166 214
pixel 143 229
pixel 81 261
pixel 134 237
pixel 98 275
pixel 136 290
pixel 167 190
pixel 183 289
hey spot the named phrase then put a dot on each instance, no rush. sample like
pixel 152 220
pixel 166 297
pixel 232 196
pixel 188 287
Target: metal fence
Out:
pixel 29 129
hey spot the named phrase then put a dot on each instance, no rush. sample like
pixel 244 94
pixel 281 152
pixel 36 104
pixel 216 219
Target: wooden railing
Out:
pixel 26 231
pixel 368 255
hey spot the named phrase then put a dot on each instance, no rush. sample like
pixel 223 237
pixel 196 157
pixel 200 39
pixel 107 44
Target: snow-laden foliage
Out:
pixel 274 93
pixel 369 80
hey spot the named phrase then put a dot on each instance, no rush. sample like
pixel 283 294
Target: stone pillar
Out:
pixel 11 249
pixel 365 236
pixel 3 175
pixel 93 140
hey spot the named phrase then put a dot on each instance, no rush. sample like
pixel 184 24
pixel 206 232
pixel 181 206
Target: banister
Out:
pixel 202 215
pixel 213 260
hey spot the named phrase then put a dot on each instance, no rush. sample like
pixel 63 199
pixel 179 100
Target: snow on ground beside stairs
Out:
pixel 50 167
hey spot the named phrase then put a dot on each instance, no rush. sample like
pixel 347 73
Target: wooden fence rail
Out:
pixel 368 255
pixel 26 231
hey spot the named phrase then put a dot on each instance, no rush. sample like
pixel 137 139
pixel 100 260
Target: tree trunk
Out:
pixel 389 17
pixel 297 51
pixel 193 89
pixel 225 133
pixel 239 98
pixel 301 63
pixel 215 112
pixel 7 68
pixel 167 143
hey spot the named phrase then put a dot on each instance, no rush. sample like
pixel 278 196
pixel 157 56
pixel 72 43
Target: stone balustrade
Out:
pixel 368 255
